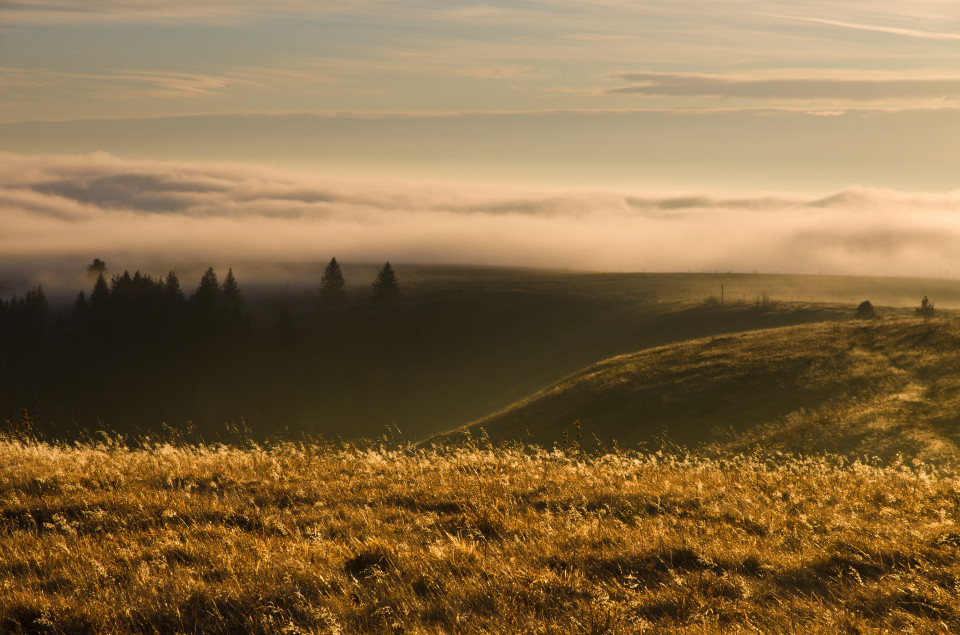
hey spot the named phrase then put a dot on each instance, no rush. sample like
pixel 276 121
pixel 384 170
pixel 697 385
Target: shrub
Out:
pixel 865 310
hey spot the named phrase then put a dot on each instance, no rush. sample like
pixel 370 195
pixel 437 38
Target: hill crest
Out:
pixel 861 387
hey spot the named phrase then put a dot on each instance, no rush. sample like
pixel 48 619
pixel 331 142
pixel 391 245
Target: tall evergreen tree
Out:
pixel 386 285
pixel 78 316
pixel 332 282
pixel 172 288
pixel 35 305
pixel 208 294
pixel 100 310
pixel 231 290
pixel 100 296
pixel 232 299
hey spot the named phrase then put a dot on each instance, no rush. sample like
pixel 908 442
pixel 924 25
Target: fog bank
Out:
pixel 57 213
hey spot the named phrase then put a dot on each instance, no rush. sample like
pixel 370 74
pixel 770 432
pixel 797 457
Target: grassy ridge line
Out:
pixel 303 538
pixel 860 387
pixel 454 348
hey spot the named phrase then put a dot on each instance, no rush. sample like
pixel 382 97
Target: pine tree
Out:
pixel 231 292
pixel 208 291
pixel 332 282
pixel 101 311
pixel 206 303
pixel 96 268
pixel 78 316
pixel 386 285
pixel 232 300
pixel 172 288
pixel 100 296
pixel 35 305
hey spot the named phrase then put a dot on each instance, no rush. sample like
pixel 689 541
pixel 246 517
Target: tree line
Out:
pixel 332 283
pixel 139 306
pixel 133 348
pixel 123 323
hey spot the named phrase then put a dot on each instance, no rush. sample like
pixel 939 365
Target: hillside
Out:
pixel 458 344
pixel 862 387
pixel 307 538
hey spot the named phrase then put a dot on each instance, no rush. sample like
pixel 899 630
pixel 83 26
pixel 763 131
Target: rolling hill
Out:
pixel 458 344
pixel 861 387
pixel 461 342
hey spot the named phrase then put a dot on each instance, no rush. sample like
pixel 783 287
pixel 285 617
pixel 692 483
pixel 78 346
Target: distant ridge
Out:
pixel 863 387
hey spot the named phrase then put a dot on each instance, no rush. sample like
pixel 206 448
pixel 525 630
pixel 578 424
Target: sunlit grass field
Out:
pixel 855 387
pixel 119 537
pixel 771 526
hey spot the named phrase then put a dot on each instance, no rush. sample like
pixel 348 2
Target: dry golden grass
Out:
pixel 859 388
pixel 308 537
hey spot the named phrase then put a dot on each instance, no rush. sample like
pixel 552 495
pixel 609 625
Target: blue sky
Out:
pixel 736 100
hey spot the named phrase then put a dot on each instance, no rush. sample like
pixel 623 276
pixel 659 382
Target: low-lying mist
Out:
pixel 59 212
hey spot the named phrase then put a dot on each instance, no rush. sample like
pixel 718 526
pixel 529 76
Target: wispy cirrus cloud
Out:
pixel 173 84
pixel 860 88
pixel 125 82
pixel 499 72
pixel 595 37
pixel 875 28
pixel 232 11
pixel 74 11
pixel 65 208
pixel 128 83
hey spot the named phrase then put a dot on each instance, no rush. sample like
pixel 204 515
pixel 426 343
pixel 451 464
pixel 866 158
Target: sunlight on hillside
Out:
pixel 878 387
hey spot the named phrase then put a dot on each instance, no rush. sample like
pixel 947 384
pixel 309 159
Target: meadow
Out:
pixel 117 536
pixel 657 460
pixel 857 387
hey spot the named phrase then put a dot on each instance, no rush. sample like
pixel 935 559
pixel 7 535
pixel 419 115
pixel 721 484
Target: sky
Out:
pixel 796 136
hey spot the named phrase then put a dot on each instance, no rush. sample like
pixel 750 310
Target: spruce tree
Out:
pixel 172 289
pixel 232 300
pixel 207 301
pixel 208 292
pixel 78 316
pixel 100 311
pixel 386 285
pixel 100 296
pixel 231 292
pixel 332 282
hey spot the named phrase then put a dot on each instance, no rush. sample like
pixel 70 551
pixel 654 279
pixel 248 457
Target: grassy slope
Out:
pixel 873 387
pixel 461 343
pixel 296 539
pixel 468 341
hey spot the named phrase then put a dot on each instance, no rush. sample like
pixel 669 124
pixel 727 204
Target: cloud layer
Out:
pixel 65 210
pixel 856 89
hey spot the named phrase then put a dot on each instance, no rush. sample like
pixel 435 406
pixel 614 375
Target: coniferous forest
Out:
pixel 140 354
pixel 129 339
